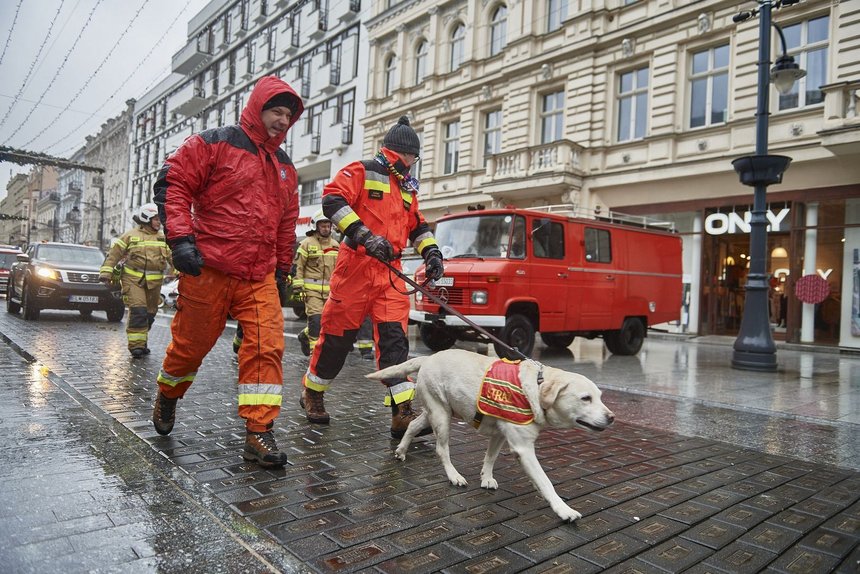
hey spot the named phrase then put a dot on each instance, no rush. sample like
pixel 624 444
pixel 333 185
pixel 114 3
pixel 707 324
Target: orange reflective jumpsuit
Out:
pixel 366 193
pixel 234 190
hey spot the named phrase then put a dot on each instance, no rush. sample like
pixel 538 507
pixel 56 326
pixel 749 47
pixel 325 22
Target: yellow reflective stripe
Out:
pixel 407 197
pixel 105 269
pixel 364 344
pixel 259 394
pixel 426 243
pixel 347 220
pixel 121 243
pixel 149 276
pixel 315 383
pixel 298 283
pixel 136 336
pixel 400 393
pixel 173 381
pixel 249 399
pixel 149 244
pixel 318 288
pixel 302 252
pixel 384 187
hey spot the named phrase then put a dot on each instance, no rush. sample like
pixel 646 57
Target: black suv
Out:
pixel 61 276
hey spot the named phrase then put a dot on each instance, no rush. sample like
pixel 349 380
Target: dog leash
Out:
pixel 444 305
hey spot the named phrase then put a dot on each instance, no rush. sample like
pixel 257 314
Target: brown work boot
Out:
pixel 163 414
pixel 261 448
pixel 312 402
pixel 401 416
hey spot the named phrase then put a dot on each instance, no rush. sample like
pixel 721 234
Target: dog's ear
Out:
pixel 549 391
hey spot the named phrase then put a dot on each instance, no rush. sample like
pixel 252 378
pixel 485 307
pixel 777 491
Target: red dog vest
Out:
pixel 502 395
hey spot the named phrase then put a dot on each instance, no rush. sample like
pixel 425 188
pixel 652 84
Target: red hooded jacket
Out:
pixel 235 191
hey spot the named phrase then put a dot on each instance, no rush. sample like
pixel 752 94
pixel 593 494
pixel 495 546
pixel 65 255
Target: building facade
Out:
pixel 316 46
pixel 15 204
pixel 103 214
pixel 640 107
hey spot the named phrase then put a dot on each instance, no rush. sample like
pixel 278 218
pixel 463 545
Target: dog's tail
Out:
pixel 402 370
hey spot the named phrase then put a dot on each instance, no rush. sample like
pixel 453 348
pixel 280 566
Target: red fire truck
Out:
pixel 517 272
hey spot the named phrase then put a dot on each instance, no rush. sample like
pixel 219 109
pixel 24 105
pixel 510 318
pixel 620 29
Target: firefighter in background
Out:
pixel 315 261
pixel 145 257
pixel 364 339
pixel 374 204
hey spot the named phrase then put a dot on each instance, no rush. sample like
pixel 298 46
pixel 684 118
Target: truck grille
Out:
pixel 455 295
pixel 77 277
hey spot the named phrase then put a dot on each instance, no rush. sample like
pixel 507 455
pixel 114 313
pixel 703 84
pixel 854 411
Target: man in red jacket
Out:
pixel 374 203
pixel 228 202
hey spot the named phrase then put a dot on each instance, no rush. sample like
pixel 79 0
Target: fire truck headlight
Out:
pixel 419 296
pixel 479 297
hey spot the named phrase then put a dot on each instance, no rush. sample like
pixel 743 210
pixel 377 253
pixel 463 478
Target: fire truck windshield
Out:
pixel 482 236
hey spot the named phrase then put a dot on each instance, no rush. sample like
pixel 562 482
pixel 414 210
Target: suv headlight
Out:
pixel 47 273
pixel 479 297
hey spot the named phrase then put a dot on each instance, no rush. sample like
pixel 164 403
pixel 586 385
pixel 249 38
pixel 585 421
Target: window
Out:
pixel 498 30
pixel 251 57
pixel 390 78
pixel 556 13
pixel 492 133
pixel 598 247
pixel 807 43
pixel 709 87
pixel 272 55
pixel 632 104
pixel 311 192
pixel 452 146
pixel 548 239
pixel 518 239
pixel 458 46
pixel 552 117
pixel 231 71
pixel 420 63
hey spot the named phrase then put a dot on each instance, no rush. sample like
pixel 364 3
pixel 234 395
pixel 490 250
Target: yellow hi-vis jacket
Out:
pixel 315 261
pixel 145 255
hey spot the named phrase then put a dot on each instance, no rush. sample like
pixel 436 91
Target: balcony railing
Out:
pixel 187 59
pixel 559 156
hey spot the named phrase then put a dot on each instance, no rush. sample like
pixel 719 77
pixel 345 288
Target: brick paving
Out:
pixel 652 501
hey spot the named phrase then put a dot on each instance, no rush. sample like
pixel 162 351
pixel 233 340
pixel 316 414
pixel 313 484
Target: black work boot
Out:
pixel 305 343
pixel 137 352
pixel 261 448
pixel 401 416
pixel 312 402
pixel 163 414
pixel 367 354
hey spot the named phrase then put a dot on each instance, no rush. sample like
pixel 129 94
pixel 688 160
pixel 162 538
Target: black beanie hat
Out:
pixel 283 99
pixel 402 138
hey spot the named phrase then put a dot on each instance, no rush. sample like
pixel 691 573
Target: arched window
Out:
pixel 498 30
pixel 390 80
pixel 458 46
pixel 421 62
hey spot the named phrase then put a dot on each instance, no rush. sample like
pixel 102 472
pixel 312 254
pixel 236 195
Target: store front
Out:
pixel 806 236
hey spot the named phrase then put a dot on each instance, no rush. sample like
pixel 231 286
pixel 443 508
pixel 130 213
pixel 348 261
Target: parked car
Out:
pixel 7 259
pixel 517 272
pixel 61 276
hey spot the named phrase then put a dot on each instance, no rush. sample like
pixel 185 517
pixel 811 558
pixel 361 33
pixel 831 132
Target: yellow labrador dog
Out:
pixel 448 383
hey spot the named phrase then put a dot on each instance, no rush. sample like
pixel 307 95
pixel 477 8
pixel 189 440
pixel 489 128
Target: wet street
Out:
pixel 706 469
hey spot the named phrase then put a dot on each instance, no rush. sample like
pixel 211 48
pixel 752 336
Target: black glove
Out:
pixel 282 278
pixel 375 245
pixel 186 257
pixel 433 268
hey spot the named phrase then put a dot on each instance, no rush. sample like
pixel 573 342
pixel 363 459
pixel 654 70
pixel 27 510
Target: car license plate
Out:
pixel 444 282
pixel 83 299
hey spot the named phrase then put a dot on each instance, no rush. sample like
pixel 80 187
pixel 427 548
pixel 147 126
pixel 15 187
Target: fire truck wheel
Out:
pixel 518 332
pixel 436 338
pixel 628 340
pixel 557 340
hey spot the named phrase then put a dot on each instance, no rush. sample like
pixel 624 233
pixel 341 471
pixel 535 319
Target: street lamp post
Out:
pixel 754 349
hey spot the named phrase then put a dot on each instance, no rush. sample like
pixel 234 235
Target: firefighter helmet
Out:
pixel 147 212
pixel 318 217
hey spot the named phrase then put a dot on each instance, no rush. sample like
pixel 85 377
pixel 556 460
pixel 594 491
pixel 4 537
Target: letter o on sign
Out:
pixel 717 224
